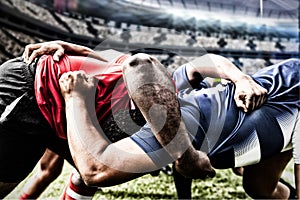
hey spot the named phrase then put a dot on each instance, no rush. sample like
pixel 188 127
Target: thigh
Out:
pixel 19 153
pixel 60 147
pixel 260 180
pixel 262 134
pixel 51 164
pixel 6 188
pixel 23 129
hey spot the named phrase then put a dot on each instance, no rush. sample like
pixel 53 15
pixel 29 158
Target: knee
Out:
pixel 76 179
pixel 252 190
pixel 255 188
pixel 6 188
pixel 50 172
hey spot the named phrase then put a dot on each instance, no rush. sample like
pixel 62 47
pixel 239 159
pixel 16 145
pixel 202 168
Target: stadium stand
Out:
pixel 35 23
pixel 36 12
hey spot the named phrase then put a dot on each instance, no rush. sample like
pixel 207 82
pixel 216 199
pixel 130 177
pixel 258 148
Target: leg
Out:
pixel 296 154
pixel 261 180
pixel 6 188
pixel 238 171
pixel 50 167
pixel 183 185
pixel 22 127
pixel 297 179
pixel 18 156
pixel 77 189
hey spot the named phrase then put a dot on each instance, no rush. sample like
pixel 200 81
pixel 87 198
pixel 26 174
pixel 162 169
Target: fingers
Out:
pixel 65 82
pixel 92 81
pixel 77 82
pixel 28 49
pixel 249 95
pixel 251 101
pixel 34 50
pixel 263 96
pixel 58 54
pixel 34 54
pixel 256 99
pixel 247 102
pixel 72 77
pixel 240 103
pixel 211 173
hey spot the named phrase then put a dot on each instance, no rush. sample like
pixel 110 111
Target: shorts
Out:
pixel 296 141
pixel 235 138
pixel 24 133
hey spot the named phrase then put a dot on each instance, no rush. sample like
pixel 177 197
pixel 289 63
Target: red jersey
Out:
pixel 111 93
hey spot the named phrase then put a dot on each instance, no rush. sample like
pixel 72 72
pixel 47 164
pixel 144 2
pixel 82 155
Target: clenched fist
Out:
pixel 248 94
pixel 77 84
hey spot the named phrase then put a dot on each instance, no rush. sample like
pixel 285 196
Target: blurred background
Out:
pixel 251 33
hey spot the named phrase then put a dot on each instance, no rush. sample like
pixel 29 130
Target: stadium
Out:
pixel 252 34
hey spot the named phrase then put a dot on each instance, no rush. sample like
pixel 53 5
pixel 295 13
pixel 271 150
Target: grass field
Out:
pixel 226 185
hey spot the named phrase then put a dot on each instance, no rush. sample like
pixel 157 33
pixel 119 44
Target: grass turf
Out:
pixel 226 185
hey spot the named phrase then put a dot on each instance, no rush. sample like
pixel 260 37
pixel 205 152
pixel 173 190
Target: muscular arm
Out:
pixel 151 88
pixel 57 49
pixel 215 66
pixel 248 94
pixel 99 162
pixel 103 164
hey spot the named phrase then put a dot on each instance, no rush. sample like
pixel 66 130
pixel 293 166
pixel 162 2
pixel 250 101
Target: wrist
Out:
pixel 73 99
pixel 195 164
pixel 241 77
pixel 187 156
pixel 77 101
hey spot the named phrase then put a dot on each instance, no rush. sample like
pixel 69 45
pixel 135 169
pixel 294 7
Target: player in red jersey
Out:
pixel 110 86
pixel 112 175
pixel 44 171
pixel 44 120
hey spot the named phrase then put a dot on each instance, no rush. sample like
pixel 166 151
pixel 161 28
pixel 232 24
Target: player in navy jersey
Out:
pixel 109 164
pixel 230 136
pixel 48 169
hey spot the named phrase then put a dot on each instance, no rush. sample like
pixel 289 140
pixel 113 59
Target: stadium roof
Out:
pixel 275 18
pixel 278 9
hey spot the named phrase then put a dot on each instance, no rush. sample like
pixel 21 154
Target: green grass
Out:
pixel 226 185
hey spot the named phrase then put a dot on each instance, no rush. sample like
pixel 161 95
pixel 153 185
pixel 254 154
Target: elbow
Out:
pixel 97 177
pixel 91 181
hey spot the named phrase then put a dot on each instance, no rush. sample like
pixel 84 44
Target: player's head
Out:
pixel 141 69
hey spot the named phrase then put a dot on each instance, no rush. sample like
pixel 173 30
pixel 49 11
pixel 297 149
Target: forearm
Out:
pixel 215 66
pixel 161 110
pixel 99 162
pixel 151 88
pixel 83 146
pixel 75 49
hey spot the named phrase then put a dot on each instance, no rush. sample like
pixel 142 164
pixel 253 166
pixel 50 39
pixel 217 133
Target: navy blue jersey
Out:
pixel 230 136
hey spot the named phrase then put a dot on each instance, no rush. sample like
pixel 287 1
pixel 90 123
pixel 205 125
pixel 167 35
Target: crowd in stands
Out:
pixel 34 11
pixel 247 65
pixel 13 42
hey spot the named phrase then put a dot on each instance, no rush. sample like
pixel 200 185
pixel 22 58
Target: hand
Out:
pixel 77 84
pixel 196 166
pixel 33 50
pixel 248 94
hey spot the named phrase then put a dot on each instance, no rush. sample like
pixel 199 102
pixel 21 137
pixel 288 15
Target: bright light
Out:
pixel 226 17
